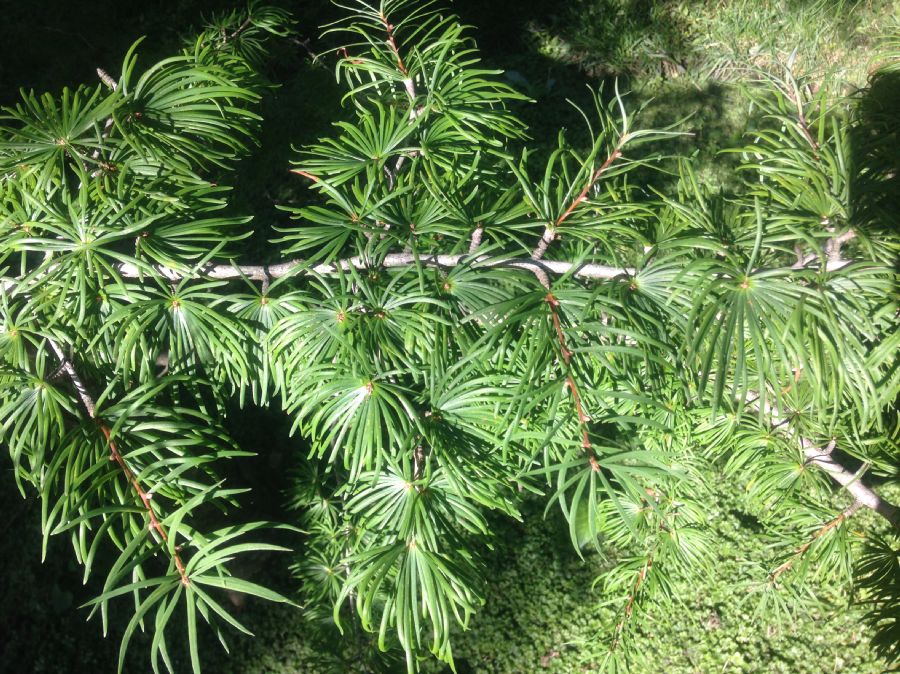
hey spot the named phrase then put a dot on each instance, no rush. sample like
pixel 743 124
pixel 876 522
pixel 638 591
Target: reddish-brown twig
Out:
pixel 632 598
pixel 583 418
pixel 146 499
pixel 821 531
pixel 309 176
pixel 550 232
pixel 392 43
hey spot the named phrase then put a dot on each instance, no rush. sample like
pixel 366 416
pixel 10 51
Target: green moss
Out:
pixel 542 614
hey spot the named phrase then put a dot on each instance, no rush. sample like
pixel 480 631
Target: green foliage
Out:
pixel 123 162
pixel 879 573
pixel 467 322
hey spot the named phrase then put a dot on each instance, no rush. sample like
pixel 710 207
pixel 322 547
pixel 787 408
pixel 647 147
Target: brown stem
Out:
pixel 240 29
pixel 821 531
pixel 582 196
pixel 309 176
pixel 632 597
pixel 146 499
pixel 641 577
pixel 408 84
pixel 804 126
pixel 553 303
pixel 346 56
pixel 392 43
pixel 418 453
pixel 550 231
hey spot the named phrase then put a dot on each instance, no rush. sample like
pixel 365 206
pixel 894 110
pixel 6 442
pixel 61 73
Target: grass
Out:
pixel 680 59
pixel 718 40
pixel 541 614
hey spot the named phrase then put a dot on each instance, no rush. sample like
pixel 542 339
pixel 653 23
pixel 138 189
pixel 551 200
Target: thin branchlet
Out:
pixel 821 531
pixel 143 495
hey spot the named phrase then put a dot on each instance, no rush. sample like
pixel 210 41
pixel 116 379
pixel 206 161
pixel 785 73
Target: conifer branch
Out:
pixel 550 232
pixel 357 358
pixel 821 531
pixel 299 267
pixel 392 43
pixel 115 455
pixel 822 458
pixel 639 580
pixel 583 418
pixel 256 272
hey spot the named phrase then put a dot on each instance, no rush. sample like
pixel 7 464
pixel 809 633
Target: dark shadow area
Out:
pixel 265 431
pixel 711 113
pixel 299 111
pixel 875 191
pixel 599 38
pixel 501 30
pixel 44 630
pixel 48 44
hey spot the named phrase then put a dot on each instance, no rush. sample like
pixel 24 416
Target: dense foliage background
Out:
pixel 540 614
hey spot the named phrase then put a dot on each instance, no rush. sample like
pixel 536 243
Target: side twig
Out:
pixel 640 577
pixel 822 458
pixel 145 497
pixel 821 531
pixel 549 234
pixel 583 418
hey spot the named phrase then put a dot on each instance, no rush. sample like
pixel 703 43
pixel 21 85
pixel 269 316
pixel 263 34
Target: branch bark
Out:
pixel 583 418
pixel 265 273
pixel 864 496
pixel 822 458
pixel 260 272
pixel 391 261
